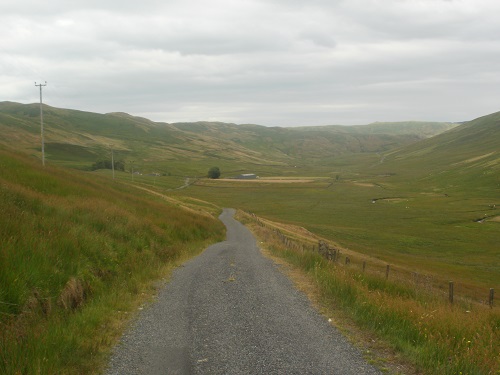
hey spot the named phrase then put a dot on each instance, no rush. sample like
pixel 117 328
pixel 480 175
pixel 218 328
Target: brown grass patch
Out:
pixel 472 160
pixel 37 304
pixel 73 294
pixel 363 184
pixel 293 230
pixel 269 180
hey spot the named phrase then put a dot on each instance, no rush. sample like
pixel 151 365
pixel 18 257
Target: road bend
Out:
pixel 231 311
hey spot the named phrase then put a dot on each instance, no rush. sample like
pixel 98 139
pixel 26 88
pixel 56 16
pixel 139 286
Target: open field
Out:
pixel 269 180
pixel 426 231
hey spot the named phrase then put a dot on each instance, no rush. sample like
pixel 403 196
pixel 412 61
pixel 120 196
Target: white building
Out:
pixel 247 176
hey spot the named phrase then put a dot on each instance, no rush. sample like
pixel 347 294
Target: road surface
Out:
pixel 231 311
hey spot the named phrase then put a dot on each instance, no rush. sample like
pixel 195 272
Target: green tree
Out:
pixel 214 172
pixel 106 164
pixel 120 165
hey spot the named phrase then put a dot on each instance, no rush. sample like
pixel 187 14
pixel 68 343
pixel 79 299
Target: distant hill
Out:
pixel 77 138
pixel 421 129
pixel 469 153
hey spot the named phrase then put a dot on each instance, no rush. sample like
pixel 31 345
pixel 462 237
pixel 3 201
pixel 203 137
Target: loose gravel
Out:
pixel 231 311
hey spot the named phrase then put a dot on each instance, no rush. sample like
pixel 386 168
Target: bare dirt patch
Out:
pixel 363 184
pixel 390 199
pixel 268 180
pixel 293 230
pixel 472 160
pixel 396 200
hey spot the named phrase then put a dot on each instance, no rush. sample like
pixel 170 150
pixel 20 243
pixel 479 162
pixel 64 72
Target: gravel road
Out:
pixel 231 311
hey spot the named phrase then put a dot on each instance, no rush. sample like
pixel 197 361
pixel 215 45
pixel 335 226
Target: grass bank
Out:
pixel 436 337
pixel 78 254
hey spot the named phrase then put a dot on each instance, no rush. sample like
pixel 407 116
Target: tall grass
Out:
pixel 436 337
pixel 76 254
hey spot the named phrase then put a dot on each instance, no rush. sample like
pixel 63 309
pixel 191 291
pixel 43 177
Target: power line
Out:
pixel 41 121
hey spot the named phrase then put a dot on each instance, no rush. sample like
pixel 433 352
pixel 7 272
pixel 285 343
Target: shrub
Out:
pixel 214 172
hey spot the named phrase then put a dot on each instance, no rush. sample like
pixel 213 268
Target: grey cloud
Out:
pixel 420 19
pixel 42 9
pixel 270 62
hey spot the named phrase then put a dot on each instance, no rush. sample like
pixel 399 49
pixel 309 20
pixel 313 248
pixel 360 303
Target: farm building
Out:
pixel 247 176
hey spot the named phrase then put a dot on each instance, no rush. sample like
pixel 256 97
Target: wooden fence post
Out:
pixel 387 269
pixel 451 291
pixel 364 266
pixel 492 295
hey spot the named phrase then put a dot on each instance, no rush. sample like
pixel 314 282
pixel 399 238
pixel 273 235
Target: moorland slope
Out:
pixel 466 157
pixel 76 138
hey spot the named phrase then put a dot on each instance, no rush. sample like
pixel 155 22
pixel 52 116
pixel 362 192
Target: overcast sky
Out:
pixel 268 62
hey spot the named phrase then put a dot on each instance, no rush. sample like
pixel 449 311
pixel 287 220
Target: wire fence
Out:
pixel 420 282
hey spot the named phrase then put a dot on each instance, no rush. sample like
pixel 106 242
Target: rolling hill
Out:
pixel 77 139
pixel 465 157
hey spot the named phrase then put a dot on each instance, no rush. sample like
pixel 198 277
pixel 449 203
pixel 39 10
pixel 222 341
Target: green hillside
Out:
pixel 77 139
pixel 77 253
pixel 464 158
pixel 419 129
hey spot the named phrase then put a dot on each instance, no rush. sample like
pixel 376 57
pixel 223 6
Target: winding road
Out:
pixel 231 311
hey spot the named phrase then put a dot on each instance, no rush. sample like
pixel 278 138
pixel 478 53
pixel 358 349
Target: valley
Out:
pixel 422 197
pixel 410 193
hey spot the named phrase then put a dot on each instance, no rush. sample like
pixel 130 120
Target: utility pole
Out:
pixel 41 121
pixel 112 162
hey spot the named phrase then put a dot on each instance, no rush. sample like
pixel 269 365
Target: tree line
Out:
pixel 107 164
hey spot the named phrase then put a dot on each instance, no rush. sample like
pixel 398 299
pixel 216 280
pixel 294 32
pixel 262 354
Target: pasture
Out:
pixel 422 229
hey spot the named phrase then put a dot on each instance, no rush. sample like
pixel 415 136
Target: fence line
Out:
pixel 334 254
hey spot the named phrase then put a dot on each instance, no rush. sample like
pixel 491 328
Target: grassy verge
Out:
pixel 436 337
pixel 78 255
